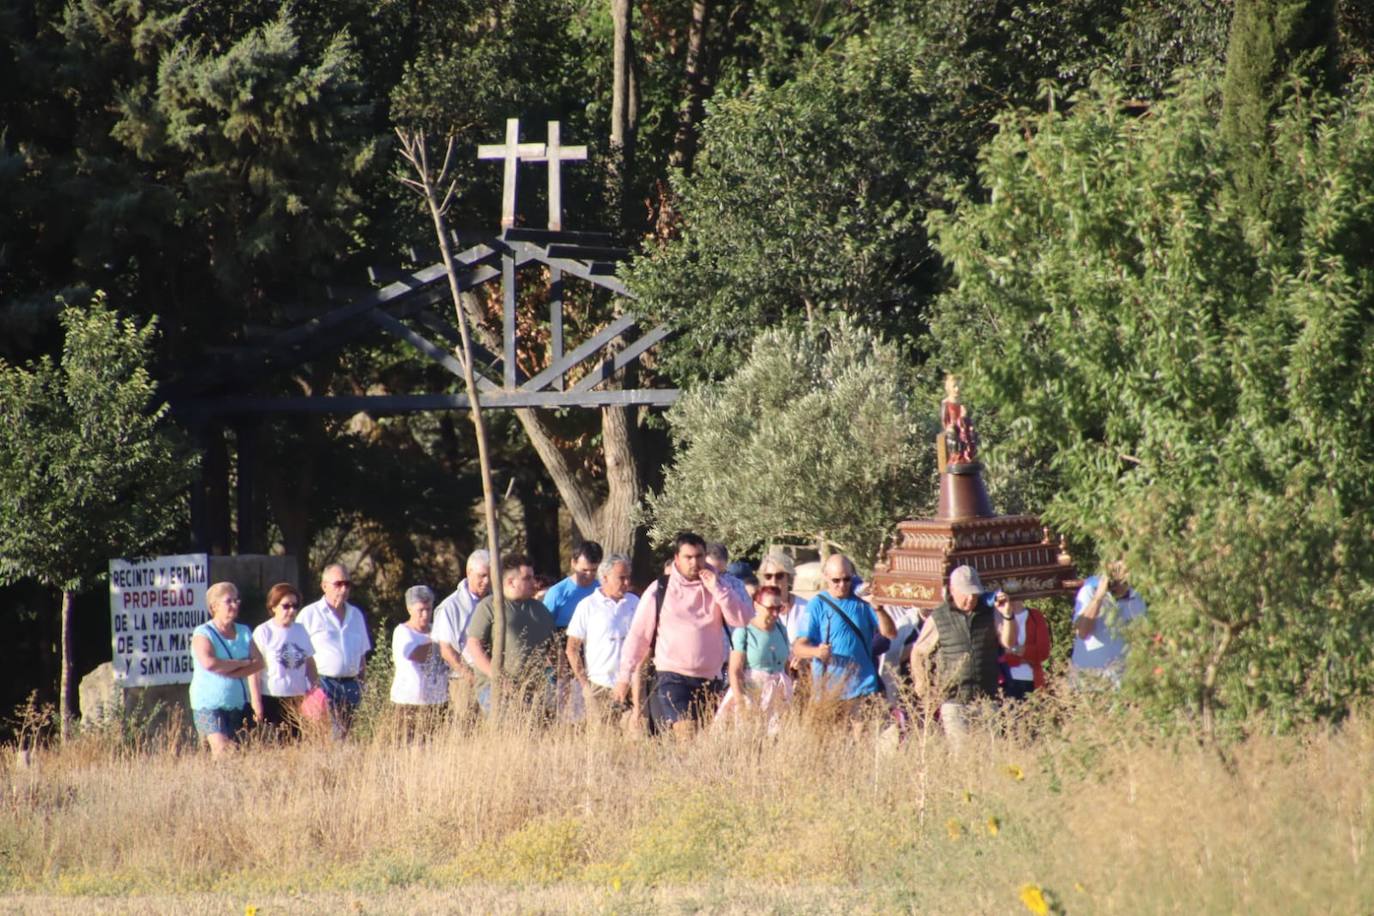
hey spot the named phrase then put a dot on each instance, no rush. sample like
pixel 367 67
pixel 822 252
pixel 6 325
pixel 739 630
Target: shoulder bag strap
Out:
pixel 231 657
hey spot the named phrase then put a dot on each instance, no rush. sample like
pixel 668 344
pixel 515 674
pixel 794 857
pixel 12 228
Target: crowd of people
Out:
pixel 708 642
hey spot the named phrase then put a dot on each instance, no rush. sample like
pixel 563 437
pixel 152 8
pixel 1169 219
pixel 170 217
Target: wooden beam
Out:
pixel 436 353
pixel 549 237
pixel 483 358
pixel 588 252
pixel 508 300
pixel 607 334
pixel 410 403
pixel 556 323
pixel 576 268
pixel 606 368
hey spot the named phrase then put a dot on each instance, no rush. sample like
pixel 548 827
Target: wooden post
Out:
pixel 556 325
pixel 555 154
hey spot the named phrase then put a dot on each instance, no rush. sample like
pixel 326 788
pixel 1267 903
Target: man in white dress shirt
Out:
pixel 338 633
pixel 450 631
pixel 597 631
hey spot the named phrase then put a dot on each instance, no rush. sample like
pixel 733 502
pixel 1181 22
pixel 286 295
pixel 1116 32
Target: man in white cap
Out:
pixel 964 637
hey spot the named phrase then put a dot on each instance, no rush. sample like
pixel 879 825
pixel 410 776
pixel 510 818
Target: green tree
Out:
pixel 817 438
pixel 90 469
pixel 1199 378
pixel 808 199
pixel 1272 44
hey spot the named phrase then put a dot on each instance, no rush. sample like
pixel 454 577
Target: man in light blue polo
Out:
pixel 839 641
pixel 1105 605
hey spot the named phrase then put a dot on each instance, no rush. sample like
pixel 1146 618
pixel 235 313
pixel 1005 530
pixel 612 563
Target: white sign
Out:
pixel 154 606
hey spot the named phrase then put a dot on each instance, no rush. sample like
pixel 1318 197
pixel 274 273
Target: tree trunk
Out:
pixel 622 107
pixel 692 109
pixel 1208 694
pixel 66 693
pixel 624 486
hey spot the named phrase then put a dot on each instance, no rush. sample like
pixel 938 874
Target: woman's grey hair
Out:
pixel 418 594
pixel 218 592
pixel 781 561
pixel 611 561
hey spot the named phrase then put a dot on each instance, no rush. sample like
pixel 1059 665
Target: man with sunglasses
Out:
pixel 840 628
pixel 338 633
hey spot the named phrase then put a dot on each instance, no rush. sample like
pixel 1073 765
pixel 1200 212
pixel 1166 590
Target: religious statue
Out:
pixel 958 443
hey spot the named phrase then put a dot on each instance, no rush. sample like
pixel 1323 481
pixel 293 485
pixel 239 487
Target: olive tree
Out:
pixel 821 437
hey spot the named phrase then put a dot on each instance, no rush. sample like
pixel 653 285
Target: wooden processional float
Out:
pixel 1017 549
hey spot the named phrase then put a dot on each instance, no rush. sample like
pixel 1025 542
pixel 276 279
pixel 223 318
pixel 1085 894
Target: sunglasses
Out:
pixel 775 575
pixel 341 583
pixel 840 581
pixel 288 606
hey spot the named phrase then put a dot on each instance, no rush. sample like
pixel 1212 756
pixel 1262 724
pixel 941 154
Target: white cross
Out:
pixel 513 151
pixel 555 154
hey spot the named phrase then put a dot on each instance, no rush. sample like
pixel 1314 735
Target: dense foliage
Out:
pixel 1200 379
pixel 225 167
pixel 91 467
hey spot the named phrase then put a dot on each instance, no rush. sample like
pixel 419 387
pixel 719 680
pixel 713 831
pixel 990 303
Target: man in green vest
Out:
pixel 963 636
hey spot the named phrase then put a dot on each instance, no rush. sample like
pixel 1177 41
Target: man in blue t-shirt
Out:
pixel 839 640
pixel 562 599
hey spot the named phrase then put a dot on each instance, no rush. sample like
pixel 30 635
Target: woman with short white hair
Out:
pixel 419 682
pixel 779 571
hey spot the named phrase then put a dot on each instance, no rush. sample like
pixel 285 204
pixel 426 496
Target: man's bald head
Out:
pixel 839 575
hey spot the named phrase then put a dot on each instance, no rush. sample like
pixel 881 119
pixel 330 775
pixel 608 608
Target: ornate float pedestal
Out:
pixel 914 571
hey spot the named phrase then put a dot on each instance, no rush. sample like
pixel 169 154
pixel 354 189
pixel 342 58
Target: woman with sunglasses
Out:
pixel 777 570
pixel 1022 664
pixel 289 673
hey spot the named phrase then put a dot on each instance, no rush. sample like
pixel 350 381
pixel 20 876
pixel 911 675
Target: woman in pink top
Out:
pixel 680 623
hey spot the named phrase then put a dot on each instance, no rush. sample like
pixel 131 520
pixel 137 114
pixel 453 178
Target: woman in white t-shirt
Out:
pixel 419 683
pixel 289 673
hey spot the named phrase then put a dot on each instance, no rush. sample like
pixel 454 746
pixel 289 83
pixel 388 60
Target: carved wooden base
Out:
pixel 915 570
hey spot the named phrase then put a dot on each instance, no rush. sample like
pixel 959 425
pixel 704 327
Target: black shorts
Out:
pixel 676 697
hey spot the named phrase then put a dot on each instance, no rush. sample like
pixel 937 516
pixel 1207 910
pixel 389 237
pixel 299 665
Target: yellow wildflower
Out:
pixel 615 883
pixel 953 828
pixel 968 797
pixel 250 910
pixel 994 826
pixel 1033 898
pixel 1015 772
pixel 1078 886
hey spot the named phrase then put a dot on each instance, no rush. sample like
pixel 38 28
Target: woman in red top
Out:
pixel 1023 665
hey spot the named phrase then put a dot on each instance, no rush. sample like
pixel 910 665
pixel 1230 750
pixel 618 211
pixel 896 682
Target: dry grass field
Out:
pixel 1092 813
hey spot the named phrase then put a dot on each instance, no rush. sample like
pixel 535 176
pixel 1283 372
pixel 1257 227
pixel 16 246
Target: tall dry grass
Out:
pixel 1093 808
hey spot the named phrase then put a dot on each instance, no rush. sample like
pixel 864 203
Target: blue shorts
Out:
pixel 677 697
pixel 342 692
pixel 225 722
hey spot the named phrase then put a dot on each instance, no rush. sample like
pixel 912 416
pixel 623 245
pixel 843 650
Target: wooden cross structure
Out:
pixel 512 152
pixel 411 305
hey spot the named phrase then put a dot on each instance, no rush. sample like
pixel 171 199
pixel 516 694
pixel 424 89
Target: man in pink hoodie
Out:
pixel 683 625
